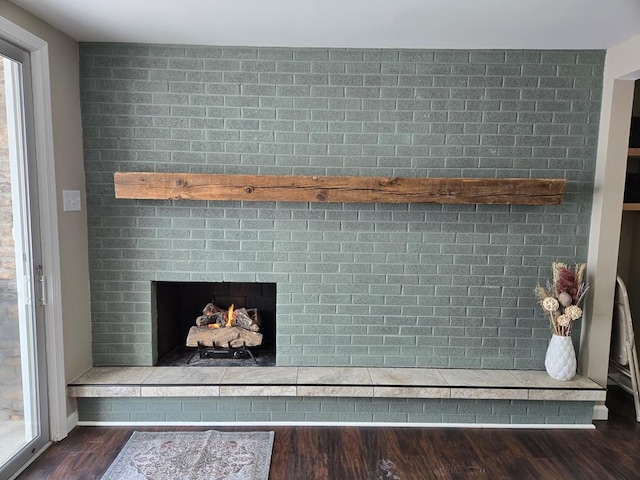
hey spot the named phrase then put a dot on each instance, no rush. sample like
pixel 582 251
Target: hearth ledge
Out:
pixel 360 382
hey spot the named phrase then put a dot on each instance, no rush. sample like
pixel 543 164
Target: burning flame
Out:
pixel 228 321
pixel 229 316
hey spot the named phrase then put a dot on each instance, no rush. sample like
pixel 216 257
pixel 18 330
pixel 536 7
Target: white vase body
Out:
pixel 560 360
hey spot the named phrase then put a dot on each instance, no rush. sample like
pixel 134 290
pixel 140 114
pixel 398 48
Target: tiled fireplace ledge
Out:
pixel 331 382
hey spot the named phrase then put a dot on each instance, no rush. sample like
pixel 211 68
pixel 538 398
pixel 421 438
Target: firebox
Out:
pixel 179 306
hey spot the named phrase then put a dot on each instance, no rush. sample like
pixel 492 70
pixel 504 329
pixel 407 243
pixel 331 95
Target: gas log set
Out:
pixel 225 333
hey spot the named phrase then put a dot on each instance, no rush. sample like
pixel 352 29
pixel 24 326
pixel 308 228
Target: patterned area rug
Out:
pixel 194 456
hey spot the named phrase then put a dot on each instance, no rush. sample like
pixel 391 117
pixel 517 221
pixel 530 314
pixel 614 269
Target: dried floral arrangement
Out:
pixel 562 297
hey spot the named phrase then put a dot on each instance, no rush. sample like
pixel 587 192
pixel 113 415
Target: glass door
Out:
pixel 24 425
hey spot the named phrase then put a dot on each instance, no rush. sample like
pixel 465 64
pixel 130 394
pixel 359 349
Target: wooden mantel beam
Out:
pixel 290 188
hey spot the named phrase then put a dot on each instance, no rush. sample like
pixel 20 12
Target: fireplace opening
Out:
pixel 180 306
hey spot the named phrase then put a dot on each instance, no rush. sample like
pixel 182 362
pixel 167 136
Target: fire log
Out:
pixel 222 337
pixel 212 314
pixel 218 318
pixel 242 319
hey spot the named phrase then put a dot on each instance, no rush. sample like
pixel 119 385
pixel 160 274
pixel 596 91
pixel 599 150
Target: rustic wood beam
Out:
pixel 290 188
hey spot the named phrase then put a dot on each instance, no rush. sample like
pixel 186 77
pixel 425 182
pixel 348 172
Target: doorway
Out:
pixel 24 423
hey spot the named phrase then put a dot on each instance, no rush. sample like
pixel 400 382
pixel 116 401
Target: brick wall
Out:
pixel 323 410
pixel 387 285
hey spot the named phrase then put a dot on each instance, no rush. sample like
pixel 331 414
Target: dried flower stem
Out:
pixel 565 281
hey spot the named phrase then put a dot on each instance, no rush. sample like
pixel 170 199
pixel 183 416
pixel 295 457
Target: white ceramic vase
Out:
pixel 560 360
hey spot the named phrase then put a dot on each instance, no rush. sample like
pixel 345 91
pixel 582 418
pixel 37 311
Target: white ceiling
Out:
pixel 464 24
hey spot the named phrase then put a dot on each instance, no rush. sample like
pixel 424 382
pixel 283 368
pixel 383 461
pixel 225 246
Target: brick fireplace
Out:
pixel 394 285
pixel 358 284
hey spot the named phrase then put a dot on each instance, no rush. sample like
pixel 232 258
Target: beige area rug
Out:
pixel 209 455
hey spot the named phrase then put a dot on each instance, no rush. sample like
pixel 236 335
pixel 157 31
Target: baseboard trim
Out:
pixel 600 412
pixel 72 421
pixel 524 426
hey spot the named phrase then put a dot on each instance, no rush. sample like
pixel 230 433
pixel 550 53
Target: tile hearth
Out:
pixel 331 382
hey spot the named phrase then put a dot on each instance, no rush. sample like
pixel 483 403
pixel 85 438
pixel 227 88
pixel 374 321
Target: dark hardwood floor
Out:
pixel 611 451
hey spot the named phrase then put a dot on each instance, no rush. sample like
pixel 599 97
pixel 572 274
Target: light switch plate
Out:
pixel 71 201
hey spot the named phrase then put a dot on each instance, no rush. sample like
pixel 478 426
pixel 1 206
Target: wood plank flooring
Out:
pixel 611 451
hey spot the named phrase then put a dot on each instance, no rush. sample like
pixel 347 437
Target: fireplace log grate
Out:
pixel 206 352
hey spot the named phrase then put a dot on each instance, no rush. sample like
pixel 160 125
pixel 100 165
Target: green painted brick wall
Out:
pixel 324 410
pixel 358 284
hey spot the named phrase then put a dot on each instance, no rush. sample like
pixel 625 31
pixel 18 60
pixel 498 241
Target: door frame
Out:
pixel 47 205
pixel 621 69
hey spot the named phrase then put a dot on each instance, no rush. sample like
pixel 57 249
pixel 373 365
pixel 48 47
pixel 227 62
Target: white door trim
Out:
pixel 45 165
